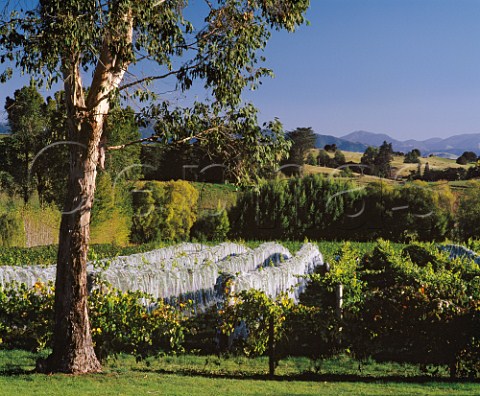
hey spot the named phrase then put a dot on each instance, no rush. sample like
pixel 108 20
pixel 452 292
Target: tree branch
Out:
pixel 153 78
pixel 152 138
pixel 155 138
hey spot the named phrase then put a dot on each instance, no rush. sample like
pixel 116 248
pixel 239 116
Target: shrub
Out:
pixel 110 214
pixel 26 316
pixel 121 322
pixel 164 211
pixel 212 226
pixel 263 319
pixel 468 214
pixel 313 207
pixel 180 210
pixel 412 313
pixel 12 231
pixel 412 157
pixel 399 213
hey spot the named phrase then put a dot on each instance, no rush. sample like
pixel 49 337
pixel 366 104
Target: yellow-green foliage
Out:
pixel 210 194
pixel 468 216
pixel 115 230
pixel 12 232
pixel 164 211
pixel 180 209
pixel 110 224
pixel 27 225
pixel 120 321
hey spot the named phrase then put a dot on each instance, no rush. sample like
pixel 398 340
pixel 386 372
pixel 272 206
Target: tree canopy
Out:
pixel 302 140
pixel 56 37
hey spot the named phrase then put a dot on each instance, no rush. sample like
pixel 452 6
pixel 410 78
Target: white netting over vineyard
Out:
pixel 283 276
pixel 190 271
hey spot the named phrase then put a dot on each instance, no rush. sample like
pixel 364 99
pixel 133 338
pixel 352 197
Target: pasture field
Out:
pixel 209 375
pixel 436 163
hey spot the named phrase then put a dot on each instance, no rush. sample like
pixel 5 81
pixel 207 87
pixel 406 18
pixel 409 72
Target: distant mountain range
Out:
pixel 452 146
pixel 341 143
pixel 358 141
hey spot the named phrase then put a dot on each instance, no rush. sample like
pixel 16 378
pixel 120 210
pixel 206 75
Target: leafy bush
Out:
pixel 311 331
pixel 257 312
pixel 26 316
pixel 415 313
pixel 12 231
pixel 120 321
pixel 212 226
pixel 313 207
pixel 164 211
pixel 401 213
pixel 412 305
pixel 468 215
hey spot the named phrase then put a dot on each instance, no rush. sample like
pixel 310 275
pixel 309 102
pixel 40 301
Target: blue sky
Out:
pixel 409 68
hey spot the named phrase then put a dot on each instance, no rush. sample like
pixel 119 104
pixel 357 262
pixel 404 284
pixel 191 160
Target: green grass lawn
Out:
pixel 207 375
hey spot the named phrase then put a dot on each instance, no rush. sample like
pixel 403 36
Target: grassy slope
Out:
pixel 361 180
pixel 211 194
pixel 434 162
pixel 196 375
pixel 399 168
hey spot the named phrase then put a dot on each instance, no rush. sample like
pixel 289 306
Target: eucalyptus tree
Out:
pixel 75 40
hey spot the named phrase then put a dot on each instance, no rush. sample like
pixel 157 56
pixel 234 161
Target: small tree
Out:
pixel 27 119
pixel 339 159
pixel 311 159
pixel 323 158
pixel 467 157
pixel 383 159
pixel 378 159
pixel 368 158
pixel 164 211
pixel 468 214
pixel 212 226
pixel 303 139
pixel 412 157
pixel 462 160
pixel 330 147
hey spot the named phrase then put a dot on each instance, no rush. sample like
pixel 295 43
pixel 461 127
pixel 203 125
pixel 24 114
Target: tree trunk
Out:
pixel 25 174
pixel 72 341
pixel 72 345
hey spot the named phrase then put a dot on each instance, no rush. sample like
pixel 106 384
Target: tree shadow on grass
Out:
pixel 311 377
pixel 9 370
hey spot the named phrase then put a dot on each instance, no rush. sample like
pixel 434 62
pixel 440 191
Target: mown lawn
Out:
pixel 207 375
